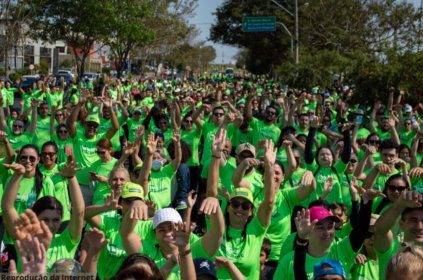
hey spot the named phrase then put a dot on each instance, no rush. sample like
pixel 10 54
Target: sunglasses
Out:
pixel 17 126
pixel 407 123
pixel 374 141
pixel 136 174
pixel 45 154
pixel 289 132
pixel 160 123
pixel 30 158
pixel 62 131
pixel 219 114
pixel 393 188
pixel 187 121
pixel 244 205
pixel 369 234
pixel 59 115
pixel 271 113
pixel 90 124
pixel 353 160
pixel 137 113
pixel 100 153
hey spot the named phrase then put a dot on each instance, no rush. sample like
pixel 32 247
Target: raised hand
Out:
pixel 307 178
pixel 286 144
pixel 68 150
pixel 346 126
pixel 410 199
pixel 152 209
pixel 139 210
pixel 35 102
pixel 354 187
pixel 181 236
pixel 370 150
pixel 129 148
pixel 221 262
pixel 315 122
pixel 33 260
pixel 360 259
pixel 139 132
pixel 176 138
pixel 250 162
pixel 16 168
pixel 224 192
pixel 191 200
pixel 209 205
pixel 269 154
pixel 229 118
pixel 416 172
pixel 218 143
pixel 69 170
pixel 371 195
pixel 304 225
pixel 339 146
pixel 383 169
pixel 400 162
pixel 97 239
pixel 205 106
pixel 151 143
pixel 83 98
pixel 112 201
pixel 328 185
pixel 28 224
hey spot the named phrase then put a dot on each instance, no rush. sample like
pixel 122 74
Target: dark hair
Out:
pixel 132 262
pixel 244 125
pixel 286 129
pixel 218 108
pixel 370 136
pixel 385 201
pixel 185 150
pixel 337 205
pixel 321 203
pixel 38 175
pixel 389 144
pixel 277 162
pixel 50 143
pixel 188 115
pixel 302 115
pixel 318 151
pixel 404 146
pixel 59 126
pixel 274 108
pixel 266 246
pixel 47 203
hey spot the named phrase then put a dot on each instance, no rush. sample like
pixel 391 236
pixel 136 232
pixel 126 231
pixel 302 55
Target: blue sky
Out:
pixel 204 17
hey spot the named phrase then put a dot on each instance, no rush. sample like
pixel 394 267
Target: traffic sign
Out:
pixel 258 24
pixel 188 68
pixel 31 66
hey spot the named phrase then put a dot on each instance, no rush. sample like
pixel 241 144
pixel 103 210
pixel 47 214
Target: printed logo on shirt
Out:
pixel 114 252
pixel 42 126
pixel 266 134
pixel 275 214
pixel 157 189
pixel 88 150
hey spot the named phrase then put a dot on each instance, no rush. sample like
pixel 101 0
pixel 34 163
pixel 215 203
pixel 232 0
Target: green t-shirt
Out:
pixel 381 180
pixel 193 140
pixel 340 251
pixel 383 258
pixel 4 174
pixel 383 135
pixel 85 154
pixel 322 174
pixel 362 133
pixel 132 126
pixel 148 101
pixel 61 145
pixel 4 93
pixel 105 125
pixel 256 183
pixel 60 188
pixel 160 184
pixel 262 131
pixel 209 130
pixel 102 169
pixel 242 253
pixel 370 270
pixel 53 99
pixel 294 182
pixel 42 132
pixel 280 223
pixel 396 230
pixel 18 141
pixel 11 95
pixel 282 157
pixel 74 98
pixel 242 138
pixel 406 137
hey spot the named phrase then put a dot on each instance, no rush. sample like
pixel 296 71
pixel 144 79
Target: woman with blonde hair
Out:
pixel 406 264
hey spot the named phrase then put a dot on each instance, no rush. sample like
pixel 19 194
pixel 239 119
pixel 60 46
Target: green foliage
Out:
pixel 26 71
pixel 14 76
pixel 105 70
pixel 2 72
pixel 65 64
pixel 130 75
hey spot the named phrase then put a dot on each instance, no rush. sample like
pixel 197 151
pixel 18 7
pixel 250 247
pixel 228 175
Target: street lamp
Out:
pixel 295 16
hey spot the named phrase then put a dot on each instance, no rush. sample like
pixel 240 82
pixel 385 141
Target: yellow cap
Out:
pixel 242 192
pixel 132 190
pixel 92 118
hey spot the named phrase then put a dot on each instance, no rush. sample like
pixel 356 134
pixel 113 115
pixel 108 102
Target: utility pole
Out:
pixel 223 55
pixel 296 31
pixel 420 27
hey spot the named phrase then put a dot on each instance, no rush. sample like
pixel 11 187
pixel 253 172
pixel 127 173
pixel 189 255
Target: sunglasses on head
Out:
pixel 30 158
pixel 353 160
pixel 271 113
pixel 17 126
pixel 45 154
pixel 94 125
pixel 244 205
pixel 100 153
pixel 393 188
pixel 374 141
pixel 369 235
pixel 219 114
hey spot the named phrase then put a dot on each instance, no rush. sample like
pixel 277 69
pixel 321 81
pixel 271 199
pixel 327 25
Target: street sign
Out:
pixel 188 68
pixel 31 66
pixel 258 24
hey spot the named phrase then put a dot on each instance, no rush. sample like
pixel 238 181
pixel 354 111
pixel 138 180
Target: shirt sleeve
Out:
pixel 169 170
pixel 255 227
pixel 66 239
pixel 290 195
pixel 197 250
pixel 340 167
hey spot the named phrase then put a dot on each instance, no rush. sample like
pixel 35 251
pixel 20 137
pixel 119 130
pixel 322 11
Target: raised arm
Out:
pixel 264 212
pixel 383 235
pixel 33 125
pixel 53 120
pixel 217 147
pixel 148 160
pixel 176 138
pixel 20 90
pixel 238 116
pixel 308 155
pixel 292 163
pixel 92 212
pixel 131 241
pixel 62 84
pixel 196 114
pixel 78 206
pixel 372 127
pixel 213 238
pixel 10 153
pixel 414 148
pixel 248 108
pixel 3 123
pixel 73 118
pixel 346 154
pixel 113 120
pixel 370 151
pixel 125 113
pixel 97 241
pixel 400 124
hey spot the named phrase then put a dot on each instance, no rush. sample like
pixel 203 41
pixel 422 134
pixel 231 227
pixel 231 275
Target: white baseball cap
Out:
pixel 408 109
pixel 177 90
pixel 166 215
pixel 346 88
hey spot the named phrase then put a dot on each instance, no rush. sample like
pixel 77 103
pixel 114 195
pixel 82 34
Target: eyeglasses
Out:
pixel 219 114
pixel 271 113
pixel 160 123
pixel 45 154
pixel 289 132
pixel 326 120
pixel 30 158
pixel 188 121
pixel 310 113
pixel 255 103
pixel 374 142
pixel 407 123
pixel 94 125
pixel 244 205
pixel 393 188
pixel 17 126
pixel 59 115
pixel 241 107
pixel 62 131
pixel 353 160
pixel 100 153
pixel 242 157
pixel 369 235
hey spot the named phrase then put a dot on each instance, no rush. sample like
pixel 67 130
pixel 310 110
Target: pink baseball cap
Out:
pixel 319 213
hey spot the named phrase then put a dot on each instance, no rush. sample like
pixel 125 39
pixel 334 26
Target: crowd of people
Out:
pixel 214 177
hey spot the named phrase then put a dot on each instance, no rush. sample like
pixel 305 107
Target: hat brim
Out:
pixel 336 219
pixel 205 273
pixel 97 122
pixel 131 194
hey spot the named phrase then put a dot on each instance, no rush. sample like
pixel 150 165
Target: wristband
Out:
pixel 216 156
pixel 70 177
pixel 185 253
pixel 300 240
